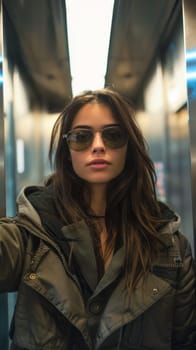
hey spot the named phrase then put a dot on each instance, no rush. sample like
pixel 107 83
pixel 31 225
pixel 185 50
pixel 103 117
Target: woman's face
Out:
pixel 98 163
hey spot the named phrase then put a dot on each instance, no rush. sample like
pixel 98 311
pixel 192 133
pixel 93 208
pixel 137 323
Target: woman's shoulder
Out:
pixel 170 231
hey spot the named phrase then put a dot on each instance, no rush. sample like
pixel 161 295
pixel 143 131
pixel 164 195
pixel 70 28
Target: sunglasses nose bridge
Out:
pixel 97 141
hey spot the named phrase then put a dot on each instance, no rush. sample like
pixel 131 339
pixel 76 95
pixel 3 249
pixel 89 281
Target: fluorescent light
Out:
pixel 191 75
pixel 89 27
pixel 20 156
pixel 191 55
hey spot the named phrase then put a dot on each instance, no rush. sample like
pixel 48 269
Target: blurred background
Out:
pixel 52 49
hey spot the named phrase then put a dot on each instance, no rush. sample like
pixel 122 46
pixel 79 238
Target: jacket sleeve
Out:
pixel 12 251
pixel 184 335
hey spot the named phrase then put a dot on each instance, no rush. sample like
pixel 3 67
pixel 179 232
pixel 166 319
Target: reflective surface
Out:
pixel 190 54
pixel 3 297
pixel 164 118
pixel 36 36
pixel 2 184
pixel 137 32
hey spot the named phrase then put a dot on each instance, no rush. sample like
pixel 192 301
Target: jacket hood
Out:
pixel 24 205
pixel 172 218
pixel 37 204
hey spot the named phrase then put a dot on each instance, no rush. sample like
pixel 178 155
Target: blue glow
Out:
pixel 191 90
pixel 191 65
pixel 191 75
pixel 1 79
pixel 191 55
pixel 191 72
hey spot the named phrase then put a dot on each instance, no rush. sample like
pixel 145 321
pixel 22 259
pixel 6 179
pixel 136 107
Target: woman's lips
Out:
pixel 98 164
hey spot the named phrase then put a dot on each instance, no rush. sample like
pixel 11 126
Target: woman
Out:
pixel 97 260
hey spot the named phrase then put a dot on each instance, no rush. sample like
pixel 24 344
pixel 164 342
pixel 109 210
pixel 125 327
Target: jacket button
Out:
pixel 155 291
pixel 177 260
pixel 95 308
pixel 32 276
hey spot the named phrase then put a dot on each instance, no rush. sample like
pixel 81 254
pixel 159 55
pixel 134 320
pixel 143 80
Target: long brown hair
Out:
pixel 132 209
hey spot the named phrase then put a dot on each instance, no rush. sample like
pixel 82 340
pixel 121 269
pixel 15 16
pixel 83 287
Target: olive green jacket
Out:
pixel 52 313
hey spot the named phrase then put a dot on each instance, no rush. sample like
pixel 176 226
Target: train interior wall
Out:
pixel 27 135
pixel 25 129
pixel 163 117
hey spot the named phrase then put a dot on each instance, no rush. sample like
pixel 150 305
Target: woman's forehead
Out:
pixel 94 114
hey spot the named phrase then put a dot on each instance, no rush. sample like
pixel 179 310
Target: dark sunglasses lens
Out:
pixel 79 140
pixel 114 137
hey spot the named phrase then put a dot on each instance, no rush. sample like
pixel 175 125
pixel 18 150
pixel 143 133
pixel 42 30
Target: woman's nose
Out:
pixel 98 144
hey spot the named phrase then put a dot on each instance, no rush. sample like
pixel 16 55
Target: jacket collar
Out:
pixel 123 309
pixel 82 248
pixel 81 244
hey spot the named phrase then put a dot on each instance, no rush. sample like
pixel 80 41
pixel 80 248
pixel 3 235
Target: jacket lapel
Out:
pixel 51 282
pixel 112 272
pixel 122 309
pixel 81 246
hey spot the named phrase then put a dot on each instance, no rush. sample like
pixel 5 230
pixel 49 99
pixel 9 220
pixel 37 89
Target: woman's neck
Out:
pixel 98 199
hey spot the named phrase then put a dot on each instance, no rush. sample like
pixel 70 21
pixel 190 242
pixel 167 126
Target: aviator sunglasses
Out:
pixel 81 138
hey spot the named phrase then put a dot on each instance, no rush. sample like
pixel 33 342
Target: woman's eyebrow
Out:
pixel 91 127
pixel 82 127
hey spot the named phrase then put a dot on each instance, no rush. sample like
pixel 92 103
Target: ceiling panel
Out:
pixel 137 30
pixel 36 37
